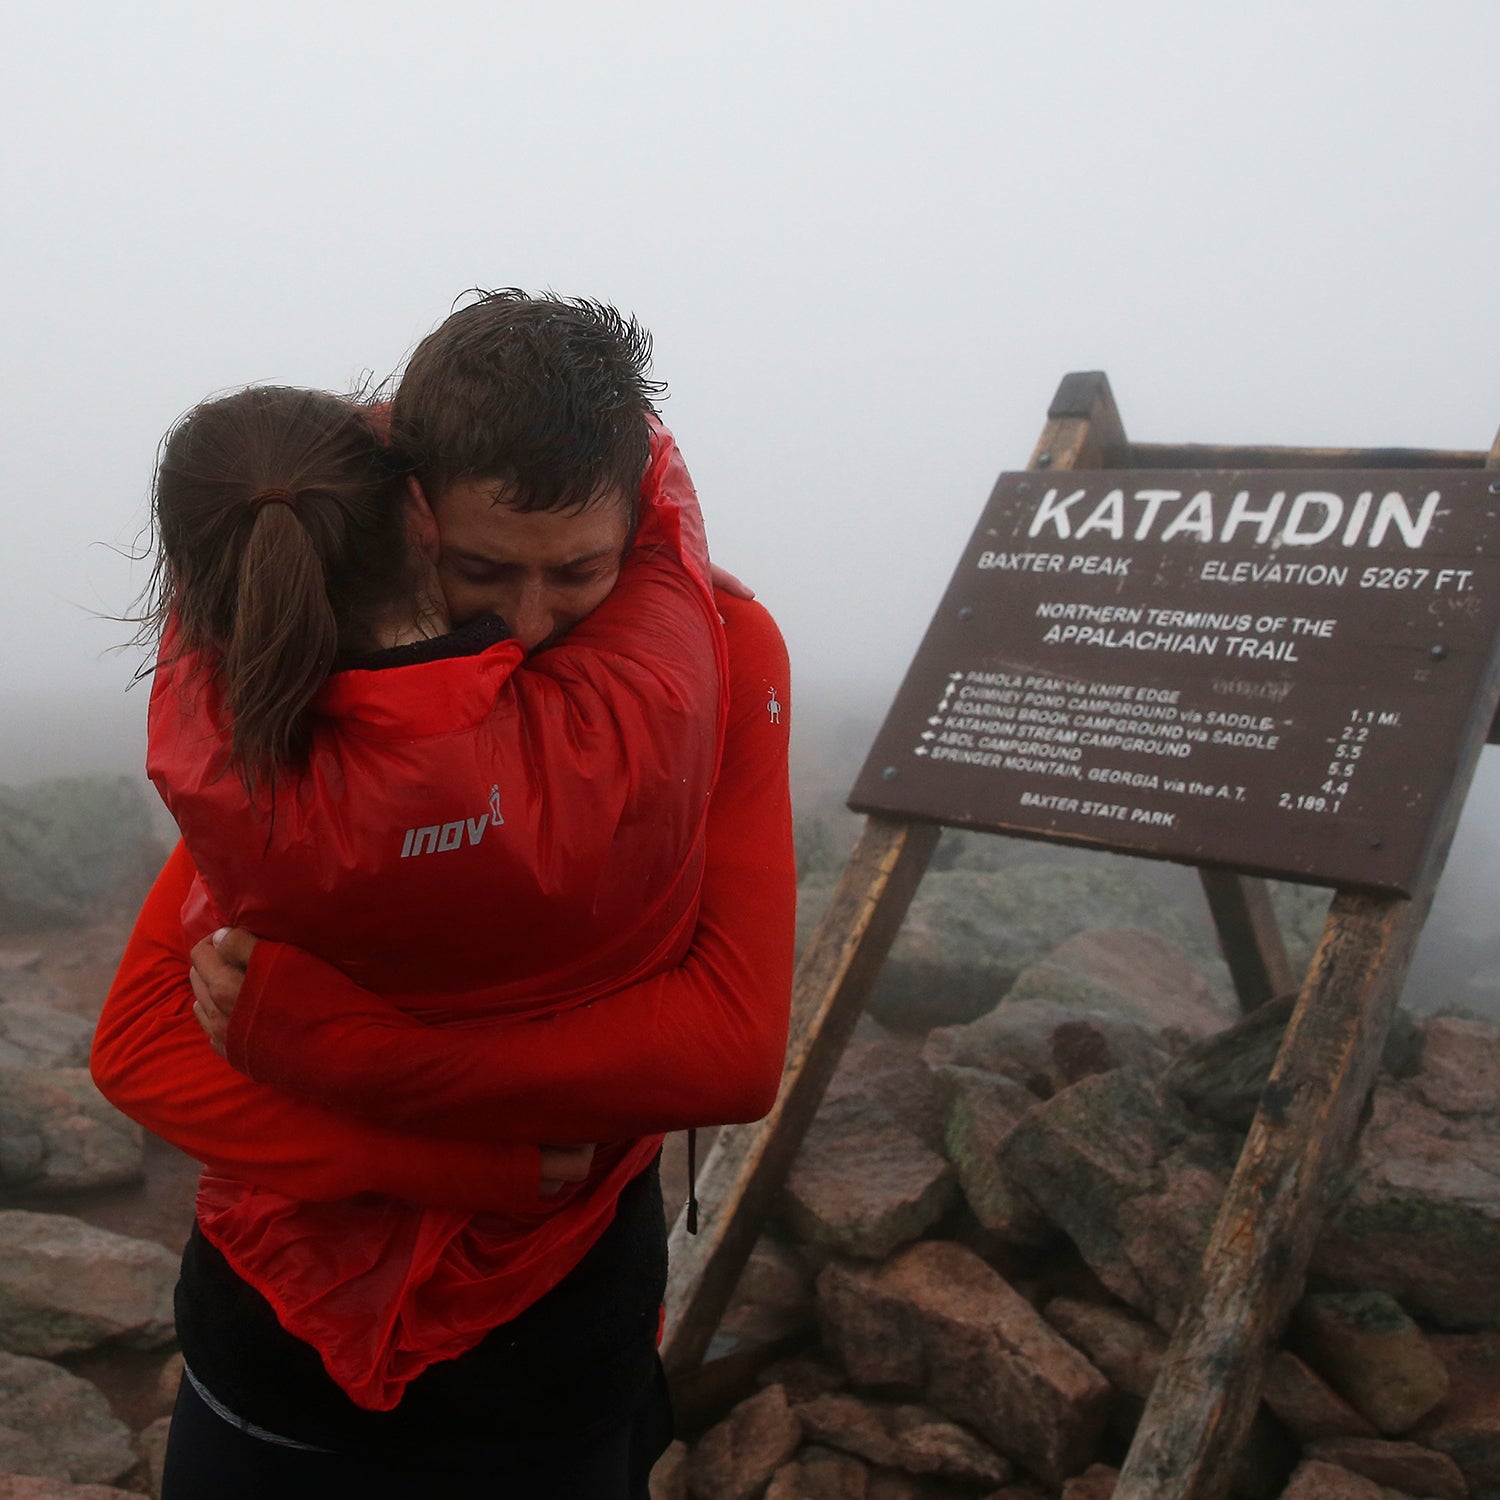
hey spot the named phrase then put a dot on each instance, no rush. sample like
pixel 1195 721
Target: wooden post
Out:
pixel 749 1163
pixel 1253 1272
pixel 1249 936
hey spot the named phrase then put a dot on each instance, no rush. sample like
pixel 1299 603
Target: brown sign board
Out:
pixel 1266 670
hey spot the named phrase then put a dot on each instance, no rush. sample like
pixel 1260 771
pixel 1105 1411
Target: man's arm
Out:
pixel 152 1061
pixel 702 1044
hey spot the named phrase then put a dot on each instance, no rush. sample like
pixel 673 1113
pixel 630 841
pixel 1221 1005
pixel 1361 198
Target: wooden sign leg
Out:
pixel 1253 1271
pixel 748 1164
pixel 1249 936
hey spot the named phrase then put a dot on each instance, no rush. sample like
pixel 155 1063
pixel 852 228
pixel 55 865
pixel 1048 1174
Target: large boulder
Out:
pixel 970 933
pixel 38 1035
pixel 58 1133
pixel 69 848
pixel 1422 1218
pixel 938 1322
pixel 57 1426
pixel 67 1286
pixel 1132 1179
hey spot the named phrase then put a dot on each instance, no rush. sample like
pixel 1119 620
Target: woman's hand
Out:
pixel 729 583
pixel 218 972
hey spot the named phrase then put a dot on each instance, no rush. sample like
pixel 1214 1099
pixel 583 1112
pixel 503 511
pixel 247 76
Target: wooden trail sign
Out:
pixel 1424 654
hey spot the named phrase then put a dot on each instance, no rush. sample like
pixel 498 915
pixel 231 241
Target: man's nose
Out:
pixel 533 616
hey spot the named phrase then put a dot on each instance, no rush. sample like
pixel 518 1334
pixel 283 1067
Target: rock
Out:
pixel 937 1320
pixel 54 1425
pixel 906 1437
pixel 1124 1348
pixel 889 1075
pixel 69 848
pixel 1222 1076
pixel 669 1476
pixel 1407 1467
pixel 1459 1072
pixel 1467 1425
pixel 168 1378
pixel 984 1108
pixel 35 1034
pixel 58 1133
pixel 29 1487
pixel 1097 1482
pixel 66 1286
pixel 151 1444
pixel 1131 1178
pixel 1373 1354
pixel 736 1459
pixel 820 1475
pixel 1422 1217
pixel 865 1186
pixel 1315 1480
pixel 970 933
pixel 773 1296
pixel 803 1377
pixel 1133 973
pixel 1306 1404
pixel 1045 1045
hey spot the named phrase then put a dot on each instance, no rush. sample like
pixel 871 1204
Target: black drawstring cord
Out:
pixel 692 1197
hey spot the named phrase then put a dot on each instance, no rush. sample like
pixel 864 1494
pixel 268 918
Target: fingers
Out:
pixel 723 579
pixel 235 945
pixel 208 1015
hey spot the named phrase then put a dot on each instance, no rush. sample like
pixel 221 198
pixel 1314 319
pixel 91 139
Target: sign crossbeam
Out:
pixel 1368 720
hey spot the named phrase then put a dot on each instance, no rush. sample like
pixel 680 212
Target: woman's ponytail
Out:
pixel 283 641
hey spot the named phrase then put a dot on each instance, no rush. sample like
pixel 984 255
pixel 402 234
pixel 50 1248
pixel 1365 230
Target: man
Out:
pixel 382 1104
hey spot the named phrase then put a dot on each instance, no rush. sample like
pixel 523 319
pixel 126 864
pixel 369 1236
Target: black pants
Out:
pixel 209 1459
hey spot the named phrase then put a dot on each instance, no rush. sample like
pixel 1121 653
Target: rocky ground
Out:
pixel 978 1257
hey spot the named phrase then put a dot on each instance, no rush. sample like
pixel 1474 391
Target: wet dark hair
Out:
pixel 546 395
pixel 282 541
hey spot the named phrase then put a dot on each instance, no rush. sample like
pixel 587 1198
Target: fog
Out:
pixel 869 240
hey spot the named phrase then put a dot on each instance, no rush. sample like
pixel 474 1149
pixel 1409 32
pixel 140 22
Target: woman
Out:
pixel 211 789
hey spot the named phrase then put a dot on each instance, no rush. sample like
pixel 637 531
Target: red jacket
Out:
pixel 698 1045
pixel 457 822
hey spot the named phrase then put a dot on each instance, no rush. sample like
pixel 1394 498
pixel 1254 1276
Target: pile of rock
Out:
pixel 991 1230
pixel 75 1300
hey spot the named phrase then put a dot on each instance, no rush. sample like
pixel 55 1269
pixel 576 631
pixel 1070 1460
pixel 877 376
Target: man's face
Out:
pixel 541 571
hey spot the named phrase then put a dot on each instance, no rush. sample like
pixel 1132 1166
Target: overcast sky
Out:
pixel 869 239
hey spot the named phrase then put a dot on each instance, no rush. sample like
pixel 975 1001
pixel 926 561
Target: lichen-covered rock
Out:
pixel 58 1133
pixel 57 1426
pixel 937 1321
pixel 865 1187
pixel 66 1286
pixel 1131 1178
pixel 984 1109
pixel 1459 1071
pixel 1373 1354
pixel 1422 1217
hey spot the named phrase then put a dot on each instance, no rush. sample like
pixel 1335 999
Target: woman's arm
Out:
pixel 702 1044
pixel 151 1060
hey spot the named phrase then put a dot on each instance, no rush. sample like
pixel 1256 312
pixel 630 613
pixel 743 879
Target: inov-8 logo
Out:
pixel 440 838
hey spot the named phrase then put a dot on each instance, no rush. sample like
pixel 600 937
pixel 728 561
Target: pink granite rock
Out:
pixel 736 1459
pixel 1373 1354
pixel 937 1320
pixel 1408 1467
pixel 1319 1481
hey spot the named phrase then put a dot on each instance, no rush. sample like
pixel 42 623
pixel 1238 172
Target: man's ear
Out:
pixel 420 519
